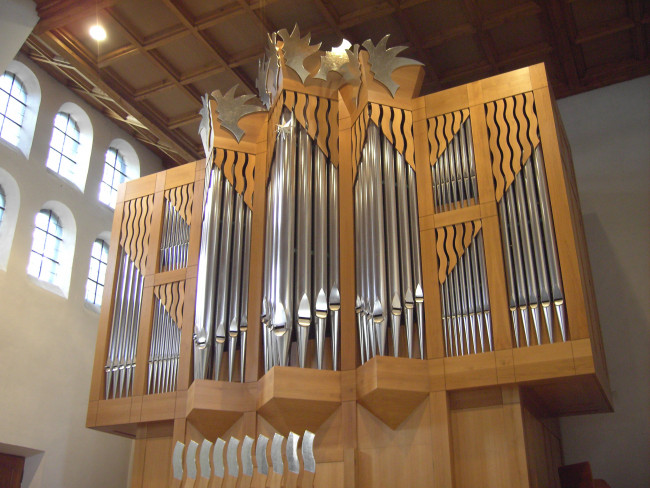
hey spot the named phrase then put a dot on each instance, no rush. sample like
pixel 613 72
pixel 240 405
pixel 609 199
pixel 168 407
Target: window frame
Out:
pixel 65 161
pixel 112 167
pixel 102 260
pixel 53 277
pixel 16 81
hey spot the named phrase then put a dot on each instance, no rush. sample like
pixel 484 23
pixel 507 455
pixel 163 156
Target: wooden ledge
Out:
pixel 298 399
pixel 391 388
pixel 214 406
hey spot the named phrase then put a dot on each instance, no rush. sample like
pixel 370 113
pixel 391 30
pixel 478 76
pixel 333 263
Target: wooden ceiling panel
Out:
pixel 613 48
pixel 433 17
pixel 287 13
pixel 525 32
pixel 377 28
pixel 240 34
pixel 114 38
pixel 146 17
pixel 491 7
pixel 186 55
pixel 139 71
pixel 591 13
pixel 199 9
pixel 462 52
pixel 346 7
pixel 161 55
pixel 222 81
pixel 172 104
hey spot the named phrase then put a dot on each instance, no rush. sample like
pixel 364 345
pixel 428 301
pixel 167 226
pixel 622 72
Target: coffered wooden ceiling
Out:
pixel 162 55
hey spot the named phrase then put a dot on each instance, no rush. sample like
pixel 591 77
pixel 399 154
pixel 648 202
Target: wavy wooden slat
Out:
pixel 443 261
pixel 386 126
pixel 521 129
pixel 240 164
pixel 250 181
pixel 135 229
pixel 299 108
pixel 409 151
pixel 323 125
pixel 513 143
pixel 432 125
pixel 312 125
pixel 506 160
pixel 290 99
pixel 400 142
pixel 333 136
pixel 495 153
pixel 533 130
pixel 450 249
pixel 219 157
pixel 228 166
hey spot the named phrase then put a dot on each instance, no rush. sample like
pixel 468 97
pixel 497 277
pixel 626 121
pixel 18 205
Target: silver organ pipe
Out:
pixel 123 342
pixel 221 315
pixel 164 351
pixel 301 296
pixel 389 274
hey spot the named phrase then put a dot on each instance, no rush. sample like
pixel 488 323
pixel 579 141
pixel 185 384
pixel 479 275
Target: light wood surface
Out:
pixel 475 420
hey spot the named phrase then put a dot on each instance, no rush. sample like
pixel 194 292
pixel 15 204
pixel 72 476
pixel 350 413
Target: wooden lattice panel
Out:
pixel 136 229
pixel 442 130
pixel 451 243
pixel 181 198
pixel 512 135
pixel 172 297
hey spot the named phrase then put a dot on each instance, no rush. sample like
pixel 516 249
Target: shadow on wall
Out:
pixel 627 339
pixel 32 473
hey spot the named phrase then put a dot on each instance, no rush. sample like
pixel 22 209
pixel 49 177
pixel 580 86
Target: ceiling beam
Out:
pixel 54 14
pixel 635 11
pixel 485 40
pixel 557 29
pixel 60 46
pixel 157 60
pixel 183 16
pixel 424 57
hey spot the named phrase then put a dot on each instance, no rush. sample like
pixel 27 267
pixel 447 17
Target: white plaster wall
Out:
pixel 609 133
pixel 46 341
pixel 17 19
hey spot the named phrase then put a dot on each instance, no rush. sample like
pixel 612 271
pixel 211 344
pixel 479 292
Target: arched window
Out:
pixel 64 146
pixel 9 206
pixel 13 101
pixel 114 175
pixel 46 245
pixel 97 272
pixel 2 204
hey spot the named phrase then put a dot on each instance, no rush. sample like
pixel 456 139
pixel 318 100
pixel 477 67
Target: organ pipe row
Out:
pixel 120 364
pixel 530 256
pixel 454 173
pixel 164 352
pixel 301 268
pixel 465 302
pixel 389 275
pixel 175 239
pixel 221 313
pixel 301 249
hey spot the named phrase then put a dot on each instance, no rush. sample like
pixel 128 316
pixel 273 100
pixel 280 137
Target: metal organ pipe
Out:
pixel 301 278
pixel 389 282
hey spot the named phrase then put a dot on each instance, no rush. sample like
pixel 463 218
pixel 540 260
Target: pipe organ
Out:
pixel 403 277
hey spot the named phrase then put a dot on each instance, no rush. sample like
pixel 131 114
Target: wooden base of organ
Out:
pixel 476 420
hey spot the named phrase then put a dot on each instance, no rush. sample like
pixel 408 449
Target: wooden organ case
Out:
pixel 412 287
